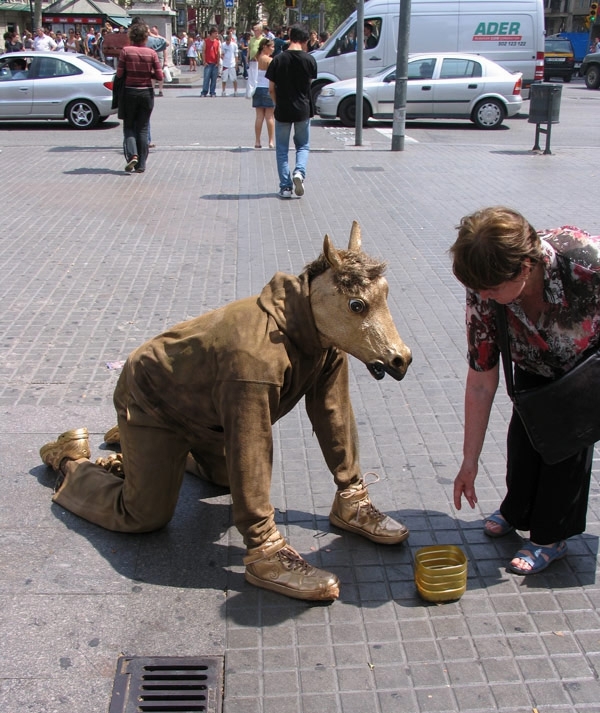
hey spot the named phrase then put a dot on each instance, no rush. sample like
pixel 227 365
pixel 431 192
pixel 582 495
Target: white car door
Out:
pixel 419 87
pixel 56 82
pixel 458 83
pixel 16 94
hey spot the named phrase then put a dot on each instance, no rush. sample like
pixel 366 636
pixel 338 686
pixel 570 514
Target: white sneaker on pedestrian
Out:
pixel 298 183
pixel 285 193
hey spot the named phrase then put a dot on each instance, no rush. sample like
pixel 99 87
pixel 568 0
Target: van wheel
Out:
pixel 315 90
pixel 592 77
pixel 488 114
pixel 347 112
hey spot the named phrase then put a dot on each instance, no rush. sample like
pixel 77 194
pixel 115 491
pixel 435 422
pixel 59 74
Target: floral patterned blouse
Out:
pixel 570 322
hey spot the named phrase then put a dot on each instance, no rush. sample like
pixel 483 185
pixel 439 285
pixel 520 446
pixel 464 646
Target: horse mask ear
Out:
pixel 332 255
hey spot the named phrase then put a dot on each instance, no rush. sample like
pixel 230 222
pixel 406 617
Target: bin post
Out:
pixel 544 108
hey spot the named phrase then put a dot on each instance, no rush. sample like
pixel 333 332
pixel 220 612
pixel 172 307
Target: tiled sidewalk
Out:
pixel 94 262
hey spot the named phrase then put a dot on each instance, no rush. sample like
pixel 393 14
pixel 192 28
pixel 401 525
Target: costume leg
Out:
pixel 142 501
pixel 282 147
pixel 210 463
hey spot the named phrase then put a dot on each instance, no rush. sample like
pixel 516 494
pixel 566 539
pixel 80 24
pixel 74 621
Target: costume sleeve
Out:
pixel 330 411
pixel 246 414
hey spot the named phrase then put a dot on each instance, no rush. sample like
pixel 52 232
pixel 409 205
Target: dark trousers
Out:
pixel 138 105
pixel 548 500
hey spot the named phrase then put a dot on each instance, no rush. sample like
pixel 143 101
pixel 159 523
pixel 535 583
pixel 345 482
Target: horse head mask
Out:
pixel 348 295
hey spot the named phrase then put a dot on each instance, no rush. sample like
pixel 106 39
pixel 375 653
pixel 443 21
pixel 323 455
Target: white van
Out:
pixel 510 32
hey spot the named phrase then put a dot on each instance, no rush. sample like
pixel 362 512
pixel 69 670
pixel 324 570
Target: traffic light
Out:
pixel 593 12
pixel 292 3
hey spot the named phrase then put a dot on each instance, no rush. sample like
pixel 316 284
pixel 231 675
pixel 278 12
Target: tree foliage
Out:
pixel 275 11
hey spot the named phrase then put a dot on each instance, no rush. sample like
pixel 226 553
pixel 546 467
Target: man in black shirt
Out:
pixel 290 75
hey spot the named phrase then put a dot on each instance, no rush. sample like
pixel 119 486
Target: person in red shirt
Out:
pixel 211 57
pixel 139 65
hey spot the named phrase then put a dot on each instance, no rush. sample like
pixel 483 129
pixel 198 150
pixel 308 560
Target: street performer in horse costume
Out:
pixel 203 397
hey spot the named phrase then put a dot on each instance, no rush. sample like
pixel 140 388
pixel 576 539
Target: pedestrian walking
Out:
pixel 290 75
pixel 139 66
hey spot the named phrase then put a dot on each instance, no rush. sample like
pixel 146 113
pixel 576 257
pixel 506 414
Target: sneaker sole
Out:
pixel 298 185
pixel 379 539
pixel 130 165
pixel 333 592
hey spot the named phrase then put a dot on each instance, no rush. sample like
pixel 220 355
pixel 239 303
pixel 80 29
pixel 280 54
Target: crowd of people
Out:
pixel 186 47
pixel 79 39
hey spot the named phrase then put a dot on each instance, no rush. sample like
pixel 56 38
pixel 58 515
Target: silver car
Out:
pixel 55 85
pixel 440 86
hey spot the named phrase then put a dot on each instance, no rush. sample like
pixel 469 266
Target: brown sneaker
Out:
pixel 112 436
pixel 70 444
pixel 353 510
pixel 278 567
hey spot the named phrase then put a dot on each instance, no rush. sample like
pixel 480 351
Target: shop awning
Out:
pixel 15 6
pixel 121 21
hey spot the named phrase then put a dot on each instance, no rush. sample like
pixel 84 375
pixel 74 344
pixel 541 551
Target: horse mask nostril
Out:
pixel 398 362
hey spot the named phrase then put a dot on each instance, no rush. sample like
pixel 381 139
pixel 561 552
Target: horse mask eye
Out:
pixel 357 306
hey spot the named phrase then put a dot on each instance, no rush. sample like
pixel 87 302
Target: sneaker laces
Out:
pixel 365 504
pixel 292 561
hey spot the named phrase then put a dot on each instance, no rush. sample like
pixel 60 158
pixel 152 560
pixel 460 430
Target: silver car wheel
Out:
pixel 82 114
pixel 488 114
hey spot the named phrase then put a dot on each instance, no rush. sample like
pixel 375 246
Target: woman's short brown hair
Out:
pixel 138 33
pixel 491 247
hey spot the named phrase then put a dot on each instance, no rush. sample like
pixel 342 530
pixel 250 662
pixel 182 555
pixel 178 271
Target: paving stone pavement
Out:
pixel 95 261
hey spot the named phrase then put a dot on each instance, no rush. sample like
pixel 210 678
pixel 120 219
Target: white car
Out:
pixel 440 85
pixel 55 85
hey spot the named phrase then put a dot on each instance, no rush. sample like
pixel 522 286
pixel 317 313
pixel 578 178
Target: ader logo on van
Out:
pixel 494 31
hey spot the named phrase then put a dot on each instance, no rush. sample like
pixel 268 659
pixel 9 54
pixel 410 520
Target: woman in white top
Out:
pixel 261 100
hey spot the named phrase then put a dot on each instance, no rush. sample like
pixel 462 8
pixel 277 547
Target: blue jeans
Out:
pixel 211 72
pixel 282 147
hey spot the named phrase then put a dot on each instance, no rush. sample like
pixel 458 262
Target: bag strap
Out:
pixel 502 327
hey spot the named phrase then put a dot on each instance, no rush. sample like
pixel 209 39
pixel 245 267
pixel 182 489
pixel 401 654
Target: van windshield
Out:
pixel 344 41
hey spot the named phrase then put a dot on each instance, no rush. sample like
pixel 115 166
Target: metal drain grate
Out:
pixel 170 684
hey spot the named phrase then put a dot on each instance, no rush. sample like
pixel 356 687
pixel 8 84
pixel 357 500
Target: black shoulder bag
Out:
pixel 562 417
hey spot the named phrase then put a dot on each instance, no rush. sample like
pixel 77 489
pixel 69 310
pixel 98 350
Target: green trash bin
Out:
pixel 544 103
